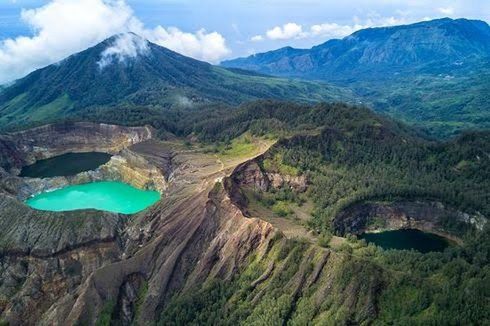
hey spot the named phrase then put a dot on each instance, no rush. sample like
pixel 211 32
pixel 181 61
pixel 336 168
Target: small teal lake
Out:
pixel 407 239
pixel 108 196
pixel 65 165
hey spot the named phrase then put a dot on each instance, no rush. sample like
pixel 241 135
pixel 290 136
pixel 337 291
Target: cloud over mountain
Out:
pixel 287 31
pixel 63 27
pixel 127 45
pixel 328 30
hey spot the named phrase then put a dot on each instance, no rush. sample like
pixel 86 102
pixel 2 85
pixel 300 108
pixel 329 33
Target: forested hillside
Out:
pixel 433 74
pixel 351 155
pixel 154 78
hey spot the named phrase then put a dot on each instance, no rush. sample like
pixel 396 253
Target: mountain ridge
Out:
pixel 434 74
pixel 394 46
pixel 140 73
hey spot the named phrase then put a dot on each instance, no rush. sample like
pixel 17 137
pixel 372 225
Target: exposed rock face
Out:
pixel 425 216
pixel 126 166
pixel 25 147
pixel 297 183
pixel 131 168
pixel 73 268
pixel 126 305
pixel 45 255
pixel 66 266
pixel 250 175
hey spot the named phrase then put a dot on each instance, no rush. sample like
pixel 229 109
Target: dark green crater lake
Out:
pixel 65 165
pixel 407 239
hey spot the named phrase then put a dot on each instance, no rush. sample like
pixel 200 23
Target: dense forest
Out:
pixel 157 81
pixel 440 83
pixel 349 155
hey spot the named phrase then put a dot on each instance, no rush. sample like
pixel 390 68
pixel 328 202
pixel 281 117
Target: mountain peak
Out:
pixel 122 47
pixel 128 70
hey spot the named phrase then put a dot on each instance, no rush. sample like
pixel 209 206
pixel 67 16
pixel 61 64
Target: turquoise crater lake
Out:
pixel 116 197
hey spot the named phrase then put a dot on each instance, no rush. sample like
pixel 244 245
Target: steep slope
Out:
pixel 201 256
pixel 128 70
pixel 433 73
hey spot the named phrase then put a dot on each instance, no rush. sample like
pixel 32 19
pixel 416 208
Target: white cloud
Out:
pixel 257 38
pixel 329 30
pixel 295 31
pixel 449 11
pixel 63 27
pixel 201 45
pixel 127 45
pixel 285 32
pixel 333 30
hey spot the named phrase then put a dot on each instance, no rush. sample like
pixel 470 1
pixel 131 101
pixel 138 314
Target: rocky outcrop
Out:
pixel 131 168
pixel 377 216
pixel 296 183
pixel 79 267
pixel 250 175
pixel 247 175
pixel 25 147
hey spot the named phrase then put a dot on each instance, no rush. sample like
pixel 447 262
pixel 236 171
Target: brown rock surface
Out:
pixel 67 266
pixel 25 147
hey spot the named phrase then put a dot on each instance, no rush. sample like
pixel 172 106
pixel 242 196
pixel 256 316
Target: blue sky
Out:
pixel 209 30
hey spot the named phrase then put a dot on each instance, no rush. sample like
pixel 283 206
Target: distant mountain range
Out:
pixel 126 70
pixel 433 73
pixel 436 46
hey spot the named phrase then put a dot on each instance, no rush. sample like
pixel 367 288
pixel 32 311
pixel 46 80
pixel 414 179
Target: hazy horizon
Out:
pixel 35 33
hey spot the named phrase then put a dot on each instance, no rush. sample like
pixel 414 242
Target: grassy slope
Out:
pixel 160 81
pixel 282 88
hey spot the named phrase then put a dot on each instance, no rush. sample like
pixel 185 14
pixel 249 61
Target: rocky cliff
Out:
pixel 423 215
pixel 25 147
pixel 83 267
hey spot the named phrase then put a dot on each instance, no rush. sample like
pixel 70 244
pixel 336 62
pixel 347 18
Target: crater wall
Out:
pixel 25 147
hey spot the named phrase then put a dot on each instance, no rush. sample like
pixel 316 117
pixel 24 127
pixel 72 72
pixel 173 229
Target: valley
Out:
pixel 150 188
pixel 230 229
pixel 438 84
